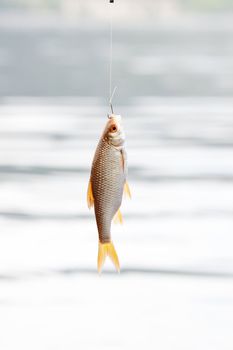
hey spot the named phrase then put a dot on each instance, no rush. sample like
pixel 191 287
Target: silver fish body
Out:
pixel 106 185
pixel 108 178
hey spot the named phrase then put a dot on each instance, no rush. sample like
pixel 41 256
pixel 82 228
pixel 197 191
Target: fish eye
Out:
pixel 113 128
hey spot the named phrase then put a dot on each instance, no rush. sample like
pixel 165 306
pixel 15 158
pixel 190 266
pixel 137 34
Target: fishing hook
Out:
pixel 111 98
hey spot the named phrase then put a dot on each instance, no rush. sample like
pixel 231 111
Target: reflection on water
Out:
pixel 138 271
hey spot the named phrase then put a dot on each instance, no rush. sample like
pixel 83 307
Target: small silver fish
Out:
pixel 106 186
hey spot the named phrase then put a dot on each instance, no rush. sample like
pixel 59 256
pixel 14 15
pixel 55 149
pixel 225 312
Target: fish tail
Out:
pixel 107 249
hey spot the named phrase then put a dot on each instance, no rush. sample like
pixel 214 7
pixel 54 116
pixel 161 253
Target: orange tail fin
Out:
pixel 107 249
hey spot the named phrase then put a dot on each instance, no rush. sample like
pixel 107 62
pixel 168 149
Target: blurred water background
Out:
pixel 173 66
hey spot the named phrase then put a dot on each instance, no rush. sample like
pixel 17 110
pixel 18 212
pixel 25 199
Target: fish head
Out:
pixel 114 132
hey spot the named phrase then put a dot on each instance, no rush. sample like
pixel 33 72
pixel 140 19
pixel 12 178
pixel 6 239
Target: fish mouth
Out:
pixel 115 119
pixel 116 139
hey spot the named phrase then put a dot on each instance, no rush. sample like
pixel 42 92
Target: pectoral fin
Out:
pixel 90 197
pixel 118 219
pixel 124 161
pixel 127 190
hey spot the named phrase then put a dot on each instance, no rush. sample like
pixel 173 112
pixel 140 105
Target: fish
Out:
pixel 107 183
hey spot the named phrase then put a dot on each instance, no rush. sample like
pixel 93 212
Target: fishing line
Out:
pixel 111 94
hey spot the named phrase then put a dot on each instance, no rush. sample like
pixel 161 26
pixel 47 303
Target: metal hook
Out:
pixel 111 98
pixel 109 115
pixel 111 108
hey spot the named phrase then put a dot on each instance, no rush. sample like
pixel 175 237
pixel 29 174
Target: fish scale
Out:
pixel 107 178
pixel 106 186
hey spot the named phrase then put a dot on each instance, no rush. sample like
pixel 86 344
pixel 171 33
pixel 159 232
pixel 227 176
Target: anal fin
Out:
pixel 127 190
pixel 118 218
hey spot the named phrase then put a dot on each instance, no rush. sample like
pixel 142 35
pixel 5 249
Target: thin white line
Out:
pixel 111 45
pixel 111 97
